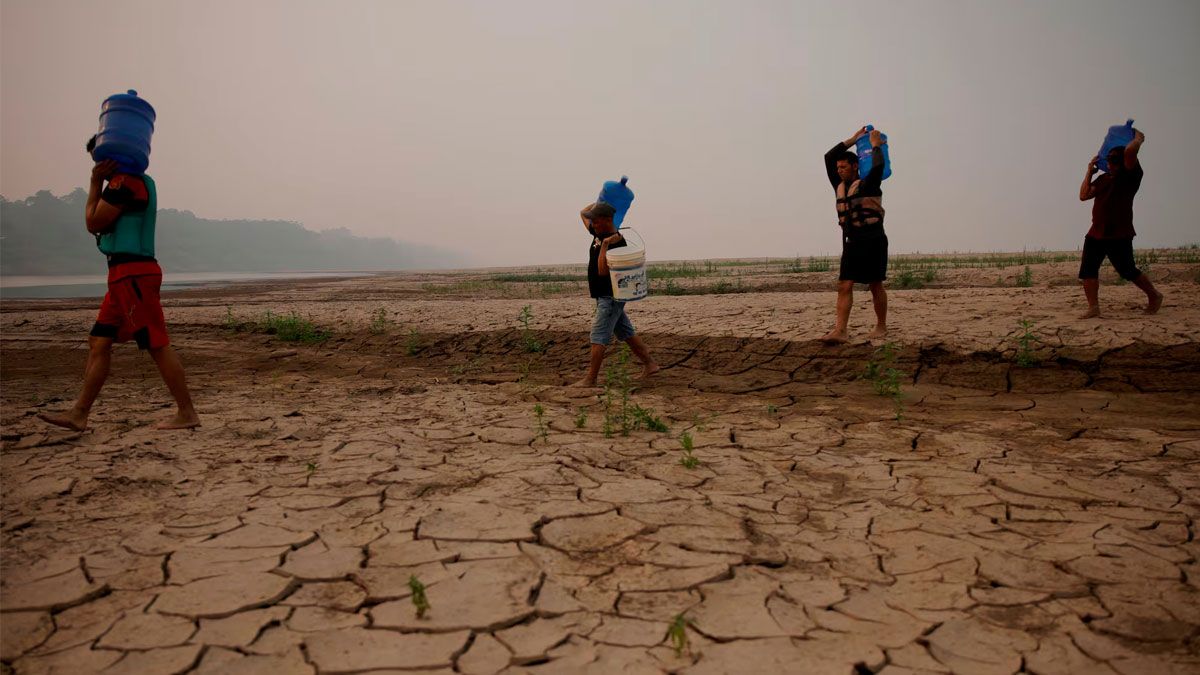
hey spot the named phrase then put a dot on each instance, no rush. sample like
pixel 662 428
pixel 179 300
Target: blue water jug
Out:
pixel 864 150
pixel 126 125
pixel 1118 137
pixel 617 195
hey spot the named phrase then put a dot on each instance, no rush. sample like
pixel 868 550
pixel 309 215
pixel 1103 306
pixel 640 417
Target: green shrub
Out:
pixel 291 328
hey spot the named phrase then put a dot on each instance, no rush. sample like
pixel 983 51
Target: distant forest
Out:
pixel 44 234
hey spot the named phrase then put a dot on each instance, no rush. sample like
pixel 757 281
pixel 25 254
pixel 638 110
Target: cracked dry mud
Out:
pixel 1013 520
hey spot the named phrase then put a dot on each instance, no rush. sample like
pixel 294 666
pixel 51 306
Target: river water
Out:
pixel 94 285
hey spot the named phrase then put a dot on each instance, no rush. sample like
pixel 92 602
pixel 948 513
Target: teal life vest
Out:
pixel 133 233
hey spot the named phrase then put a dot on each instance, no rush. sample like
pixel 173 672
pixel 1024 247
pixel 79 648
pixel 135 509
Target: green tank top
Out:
pixel 133 232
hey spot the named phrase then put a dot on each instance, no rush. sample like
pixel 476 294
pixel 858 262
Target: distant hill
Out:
pixel 44 234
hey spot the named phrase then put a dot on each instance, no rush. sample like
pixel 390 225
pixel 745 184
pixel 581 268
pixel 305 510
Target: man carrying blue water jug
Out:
pixel 864 243
pixel 1111 234
pixel 610 313
pixel 121 215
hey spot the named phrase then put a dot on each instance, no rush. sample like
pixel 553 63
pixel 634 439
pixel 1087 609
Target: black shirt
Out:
pixel 1112 212
pixel 600 285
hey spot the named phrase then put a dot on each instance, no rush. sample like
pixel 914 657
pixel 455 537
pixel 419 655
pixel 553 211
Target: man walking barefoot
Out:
pixel 1111 234
pixel 122 216
pixel 610 313
pixel 864 243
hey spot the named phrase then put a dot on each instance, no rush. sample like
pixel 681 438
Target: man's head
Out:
pixel 1115 159
pixel 599 217
pixel 847 167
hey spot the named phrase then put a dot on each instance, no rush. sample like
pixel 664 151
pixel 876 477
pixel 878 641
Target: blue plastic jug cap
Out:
pixel 132 92
pixel 624 180
pixel 1129 122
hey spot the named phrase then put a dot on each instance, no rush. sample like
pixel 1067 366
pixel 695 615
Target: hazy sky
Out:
pixel 484 126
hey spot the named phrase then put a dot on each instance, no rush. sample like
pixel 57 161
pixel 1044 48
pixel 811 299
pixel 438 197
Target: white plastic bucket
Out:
pixel 627 268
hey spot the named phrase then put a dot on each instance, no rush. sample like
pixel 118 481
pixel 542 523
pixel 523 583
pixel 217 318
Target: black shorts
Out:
pixel 1119 251
pixel 864 262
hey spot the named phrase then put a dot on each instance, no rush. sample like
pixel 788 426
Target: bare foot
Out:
pixel 180 421
pixel 1155 303
pixel 878 333
pixel 70 420
pixel 835 337
pixel 584 384
pixel 650 369
pixel 1092 312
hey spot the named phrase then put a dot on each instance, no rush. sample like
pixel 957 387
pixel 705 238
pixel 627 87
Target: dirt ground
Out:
pixel 1003 506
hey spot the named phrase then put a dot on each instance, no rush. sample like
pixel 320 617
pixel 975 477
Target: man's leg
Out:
pixel 95 373
pixel 602 332
pixel 1121 255
pixel 845 300
pixel 595 360
pixel 172 373
pixel 1089 273
pixel 625 332
pixel 639 349
pixel 879 299
pixel 1154 299
pixel 1091 291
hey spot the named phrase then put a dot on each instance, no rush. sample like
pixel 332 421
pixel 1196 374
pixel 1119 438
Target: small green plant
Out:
pixel 380 323
pixel 1145 259
pixel 231 323
pixel 916 278
pixel 419 600
pixel 885 378
pixel 884 356
pixel 620 413
pixel 524 369
pixel 689 460
pixel 617 388
pixel 772 409
pixel 291 328
pixel 1026 343
pixel 310 468
pixel 888 382
pixel 412 342
pixel 531 344
pixel 677 633
pixel 581 419
pixel 672 288
pixel 644 418
pixel 1025 279
pixel 540 414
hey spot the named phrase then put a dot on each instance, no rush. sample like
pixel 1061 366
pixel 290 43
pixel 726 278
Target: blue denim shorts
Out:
pixel 610 319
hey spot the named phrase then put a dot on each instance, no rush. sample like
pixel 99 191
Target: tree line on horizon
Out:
pixel 44 234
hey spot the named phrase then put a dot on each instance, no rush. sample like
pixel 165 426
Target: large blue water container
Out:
pixel 126 125
pixel 617 195
pixel 1118 136
pixel 865 151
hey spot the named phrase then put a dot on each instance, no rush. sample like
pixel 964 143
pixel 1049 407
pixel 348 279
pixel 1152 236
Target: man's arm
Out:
pixel 602 259
pixel 99 215
pixel 1087 191
pixel 1131 150
pixel 875 177
pixel 835 153
pixel 831 159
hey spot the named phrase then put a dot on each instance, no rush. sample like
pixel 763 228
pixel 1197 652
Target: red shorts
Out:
pixel 131 308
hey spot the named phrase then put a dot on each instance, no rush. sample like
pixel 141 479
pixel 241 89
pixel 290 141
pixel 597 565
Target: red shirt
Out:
pixel 1112 210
